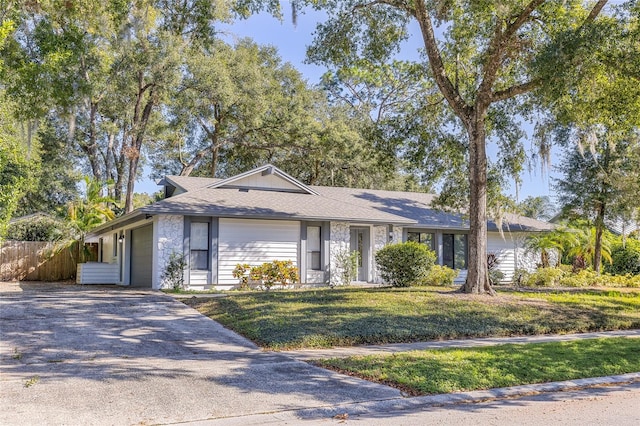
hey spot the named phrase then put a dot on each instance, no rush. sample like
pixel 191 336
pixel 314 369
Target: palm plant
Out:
pixel 84 214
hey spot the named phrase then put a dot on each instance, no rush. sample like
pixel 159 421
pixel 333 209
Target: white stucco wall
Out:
pixel 169 238
pixel 397 234
pixel 339 241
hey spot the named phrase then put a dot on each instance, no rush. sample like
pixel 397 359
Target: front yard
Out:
pixel 454 370
pixel 280 320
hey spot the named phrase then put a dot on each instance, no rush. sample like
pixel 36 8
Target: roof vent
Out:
pixel 243 189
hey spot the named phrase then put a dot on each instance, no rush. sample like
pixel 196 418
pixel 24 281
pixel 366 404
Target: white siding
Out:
pixel 255 242
pixel 97 273
pixel 272 181
pixel 510 253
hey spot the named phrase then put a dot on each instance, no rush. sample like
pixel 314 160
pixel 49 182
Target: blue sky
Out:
pixel 292 41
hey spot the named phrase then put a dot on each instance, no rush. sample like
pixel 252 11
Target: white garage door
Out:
pixel 255 242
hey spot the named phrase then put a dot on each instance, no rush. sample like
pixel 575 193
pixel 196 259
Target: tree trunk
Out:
pixel 478 270
pixel 139 124
pixel 597 252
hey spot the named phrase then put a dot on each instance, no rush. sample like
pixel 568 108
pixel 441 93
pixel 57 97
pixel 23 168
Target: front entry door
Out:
pixel 360 243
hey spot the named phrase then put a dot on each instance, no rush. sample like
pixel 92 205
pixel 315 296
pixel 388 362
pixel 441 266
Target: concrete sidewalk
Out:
pixel 343 352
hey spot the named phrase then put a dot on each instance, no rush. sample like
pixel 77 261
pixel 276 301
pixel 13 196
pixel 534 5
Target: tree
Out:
pixel 85 213
pixel 55 180
pixel 594 114
pixel 16 163
pixel 540 207
pixel 478 56
pixel 105 69
pixel 591 185
pixel 240 106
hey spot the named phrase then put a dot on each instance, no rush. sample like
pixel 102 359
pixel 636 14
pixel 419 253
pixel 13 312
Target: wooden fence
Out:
pixel 37 261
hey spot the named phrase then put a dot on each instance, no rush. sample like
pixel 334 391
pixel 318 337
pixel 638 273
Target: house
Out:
pixel 265 214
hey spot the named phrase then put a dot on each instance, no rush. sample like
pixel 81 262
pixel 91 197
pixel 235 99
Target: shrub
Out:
pixel 241 272
pixel 440 275
pixel 38 228
pixel 520 277
pixel 625 259
pixel 588 278
pixel 405 264
pixel 173 274
pixel 495 275
pixel 545 277
pixel 278 272
pixel 347 263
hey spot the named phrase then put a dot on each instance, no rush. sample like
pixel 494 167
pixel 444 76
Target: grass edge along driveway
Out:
pixel 321 318
pixel 466 369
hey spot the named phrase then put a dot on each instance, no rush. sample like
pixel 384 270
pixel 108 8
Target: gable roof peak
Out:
pixel 267 177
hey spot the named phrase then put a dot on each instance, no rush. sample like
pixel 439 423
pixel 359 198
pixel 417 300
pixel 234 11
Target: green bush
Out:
pixel 544 277
pixel 278 272
pixel 38 228
pixel 440 275
pixel 405 264
pixel 173 274
pixel 347 264
pixel 588 278
pixel 625 259
pixel 520 277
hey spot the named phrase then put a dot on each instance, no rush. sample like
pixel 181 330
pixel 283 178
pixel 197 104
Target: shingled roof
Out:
pixel 198 196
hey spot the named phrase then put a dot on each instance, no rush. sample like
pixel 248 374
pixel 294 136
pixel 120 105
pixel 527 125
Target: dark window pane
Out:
pixel 413 236
pixel 447 250
pixel 200 260
pixel 460 255
pixel 314 260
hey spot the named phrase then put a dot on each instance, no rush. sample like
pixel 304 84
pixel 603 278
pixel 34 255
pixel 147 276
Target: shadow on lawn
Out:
pixel 331 318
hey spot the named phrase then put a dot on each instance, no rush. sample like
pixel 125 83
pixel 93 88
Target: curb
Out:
pixel 352 410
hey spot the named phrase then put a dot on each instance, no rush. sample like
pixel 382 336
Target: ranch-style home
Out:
pixel 264 215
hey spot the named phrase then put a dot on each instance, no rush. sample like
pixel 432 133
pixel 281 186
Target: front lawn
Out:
pixel 453 370
pixel 350 316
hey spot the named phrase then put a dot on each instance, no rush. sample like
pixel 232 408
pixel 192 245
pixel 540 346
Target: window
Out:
pixel 422 237
pixel 115 244
pixel 314 259
pixel 454 250
pixel 199 246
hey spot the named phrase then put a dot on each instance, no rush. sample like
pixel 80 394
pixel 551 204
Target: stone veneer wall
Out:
pixel 397 234
pixel 170 240
pixel 380 239
pixel 339 241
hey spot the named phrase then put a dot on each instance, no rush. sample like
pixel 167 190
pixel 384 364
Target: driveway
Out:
pixel 106 355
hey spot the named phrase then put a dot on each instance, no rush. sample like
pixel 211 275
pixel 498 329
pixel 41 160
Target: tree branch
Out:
pixel 512 91
pixel 447 88
pixel 594 12
pixel 497 47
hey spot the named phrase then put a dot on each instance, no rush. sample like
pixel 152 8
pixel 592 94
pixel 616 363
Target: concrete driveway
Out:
pixel 104 355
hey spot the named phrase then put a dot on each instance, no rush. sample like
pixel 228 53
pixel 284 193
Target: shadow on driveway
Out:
pixel 103 355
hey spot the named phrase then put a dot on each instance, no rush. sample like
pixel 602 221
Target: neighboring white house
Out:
pixel 265 214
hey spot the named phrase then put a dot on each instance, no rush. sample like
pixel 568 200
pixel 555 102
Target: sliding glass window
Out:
pixel 454 250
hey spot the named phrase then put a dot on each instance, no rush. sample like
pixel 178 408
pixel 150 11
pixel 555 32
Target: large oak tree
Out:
pixel 479 55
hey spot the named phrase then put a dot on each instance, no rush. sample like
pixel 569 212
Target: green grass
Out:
pixel 350 316
pixel 452 370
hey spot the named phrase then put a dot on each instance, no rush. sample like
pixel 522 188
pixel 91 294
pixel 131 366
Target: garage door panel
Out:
pixel 141 256
pixel 255 242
